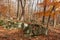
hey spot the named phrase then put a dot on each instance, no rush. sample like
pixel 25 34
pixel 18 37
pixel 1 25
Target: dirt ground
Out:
pixel 17 34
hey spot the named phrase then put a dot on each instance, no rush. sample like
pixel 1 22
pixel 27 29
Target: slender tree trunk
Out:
pixel 54 17
pixel 50 16
pixel 44 14
pixel 22 14
pixel 17 8
pixel 23 11
pixel 48 20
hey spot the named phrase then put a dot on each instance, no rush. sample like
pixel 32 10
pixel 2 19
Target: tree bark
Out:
pixel 23 7
pixel 17 8
pixel 44 15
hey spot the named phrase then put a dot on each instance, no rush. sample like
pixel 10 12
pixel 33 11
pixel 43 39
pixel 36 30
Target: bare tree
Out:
pixel 23 3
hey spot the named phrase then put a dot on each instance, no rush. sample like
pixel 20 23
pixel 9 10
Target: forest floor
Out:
pixel 16 34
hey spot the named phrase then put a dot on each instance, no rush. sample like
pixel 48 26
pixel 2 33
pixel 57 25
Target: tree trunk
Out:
pixel 22 15
pixel 17 8
pixel 23 11
pixel 54 17
pixel 44 14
